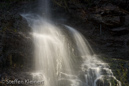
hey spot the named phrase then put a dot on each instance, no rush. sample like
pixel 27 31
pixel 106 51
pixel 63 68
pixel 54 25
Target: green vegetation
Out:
pixel 120 69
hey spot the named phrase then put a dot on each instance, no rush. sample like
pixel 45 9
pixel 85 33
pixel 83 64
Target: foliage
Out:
pixel 120 69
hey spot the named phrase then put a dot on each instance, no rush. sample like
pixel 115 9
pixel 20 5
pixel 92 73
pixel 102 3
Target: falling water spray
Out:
pixel 62 53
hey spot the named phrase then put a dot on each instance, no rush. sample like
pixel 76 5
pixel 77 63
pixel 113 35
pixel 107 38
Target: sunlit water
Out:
pixel 63 57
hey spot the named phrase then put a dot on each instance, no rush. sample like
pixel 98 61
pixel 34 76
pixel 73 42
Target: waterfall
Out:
pixel 63 57
pixel 44 8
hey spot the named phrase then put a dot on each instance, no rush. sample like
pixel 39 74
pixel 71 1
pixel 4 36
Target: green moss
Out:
pixel 120 69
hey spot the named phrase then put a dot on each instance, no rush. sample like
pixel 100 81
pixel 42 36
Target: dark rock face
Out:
pixel 109 15
pixel 120 31
pixel 16 47
pixel 111 21
pixel 106 28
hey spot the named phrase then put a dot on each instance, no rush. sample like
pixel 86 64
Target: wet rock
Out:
pixel 16 49
pixel 17 21
pixel 127 42
pixel 120 31
pixel 109 15
pixel 126 23
pixel 13 40
pixel 99 83
pixel 111 21
pixel 110 9
pixel 106 81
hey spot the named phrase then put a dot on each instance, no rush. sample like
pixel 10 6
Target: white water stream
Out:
pixel 63 55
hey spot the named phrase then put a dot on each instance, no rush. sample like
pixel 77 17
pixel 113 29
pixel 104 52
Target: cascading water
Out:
pixel 63 56
pixel 44 8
